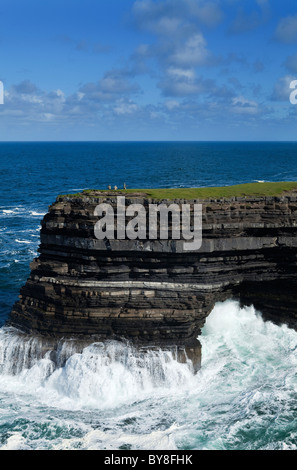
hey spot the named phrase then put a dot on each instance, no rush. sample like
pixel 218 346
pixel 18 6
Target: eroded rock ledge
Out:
pixel 153 293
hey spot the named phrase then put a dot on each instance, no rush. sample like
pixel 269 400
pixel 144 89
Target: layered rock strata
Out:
pixel 152 292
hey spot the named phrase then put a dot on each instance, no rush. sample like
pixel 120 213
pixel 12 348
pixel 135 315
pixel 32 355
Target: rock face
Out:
pixel 152 292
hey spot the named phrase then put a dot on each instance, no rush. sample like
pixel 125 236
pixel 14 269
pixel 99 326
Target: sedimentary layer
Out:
pixel 152 292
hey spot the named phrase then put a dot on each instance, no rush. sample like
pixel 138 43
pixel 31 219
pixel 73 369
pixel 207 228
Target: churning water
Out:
pixel 107 397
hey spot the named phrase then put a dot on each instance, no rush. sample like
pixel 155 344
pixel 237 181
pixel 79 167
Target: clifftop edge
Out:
pixel 259 189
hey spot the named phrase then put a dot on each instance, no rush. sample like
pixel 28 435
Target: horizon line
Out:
pixel 145 141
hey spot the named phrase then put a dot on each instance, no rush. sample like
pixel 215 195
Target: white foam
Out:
pixel 40 214
pixel 14 210
pixel 22 211
pixel 16 442
pixel 103 376
pixel 113 398
pixel 98 440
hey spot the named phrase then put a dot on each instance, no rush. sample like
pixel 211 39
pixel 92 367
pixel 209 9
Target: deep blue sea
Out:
pixel 244 397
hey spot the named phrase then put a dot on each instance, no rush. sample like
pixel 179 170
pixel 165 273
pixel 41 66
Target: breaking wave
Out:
pixel 109 396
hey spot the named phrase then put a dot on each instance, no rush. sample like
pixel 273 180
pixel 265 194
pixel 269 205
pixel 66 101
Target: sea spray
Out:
pixel 20 351
pixel 101 375
pixel 106 397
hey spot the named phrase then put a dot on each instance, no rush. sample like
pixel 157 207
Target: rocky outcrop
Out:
pixel 151 292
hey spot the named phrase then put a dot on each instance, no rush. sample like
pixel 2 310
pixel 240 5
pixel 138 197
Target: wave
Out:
pixel 100 375
pixel 22 211
pixel 7 212
pixel 111 397
pixel 94 440
pixel 14 211
pixel 40 214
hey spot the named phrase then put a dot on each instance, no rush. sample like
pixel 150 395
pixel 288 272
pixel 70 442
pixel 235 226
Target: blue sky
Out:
pixel 148 69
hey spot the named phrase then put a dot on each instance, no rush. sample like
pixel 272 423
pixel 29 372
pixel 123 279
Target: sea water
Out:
pixel 106 396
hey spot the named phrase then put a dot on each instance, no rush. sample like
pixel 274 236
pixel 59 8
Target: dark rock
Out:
pixel 151 291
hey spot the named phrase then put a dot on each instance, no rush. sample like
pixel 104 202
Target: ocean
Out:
pixel 245 395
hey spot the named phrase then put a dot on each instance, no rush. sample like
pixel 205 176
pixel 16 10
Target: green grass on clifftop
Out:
pixel 240 190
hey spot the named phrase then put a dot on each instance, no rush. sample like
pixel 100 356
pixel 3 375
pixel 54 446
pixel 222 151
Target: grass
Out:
pixel 240 190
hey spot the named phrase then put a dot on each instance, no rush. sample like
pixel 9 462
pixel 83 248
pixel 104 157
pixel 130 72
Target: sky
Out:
pixel 148 70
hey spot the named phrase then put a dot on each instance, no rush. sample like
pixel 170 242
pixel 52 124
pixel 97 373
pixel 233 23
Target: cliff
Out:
pixel 151 292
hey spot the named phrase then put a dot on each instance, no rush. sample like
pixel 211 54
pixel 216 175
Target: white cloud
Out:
pixel 166 26
pixel 109 87
pixel 182 86
pixel 179 72
pixel 281 90
pixel 241 105
pixel 167 16
pixel 286 30
pixel 207 12
pixel 48 116
pixel 251 17
pixel 171 104
pixel 192 52
pixel 123 107
pixel 26 87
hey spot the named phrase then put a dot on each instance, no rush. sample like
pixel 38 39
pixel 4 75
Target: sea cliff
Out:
pixel 152 293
